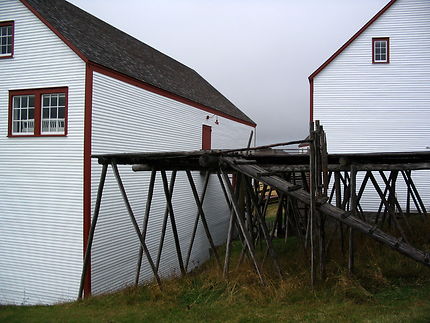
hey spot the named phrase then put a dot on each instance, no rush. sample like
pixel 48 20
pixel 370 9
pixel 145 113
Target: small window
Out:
pixel 381 50
pixel 41 112
pixel 6 39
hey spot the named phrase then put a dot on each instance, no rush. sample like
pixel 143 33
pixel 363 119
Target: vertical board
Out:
pixel 40 177
pixel 130 119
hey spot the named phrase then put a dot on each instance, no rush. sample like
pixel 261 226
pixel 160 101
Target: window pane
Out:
pixel 16 114
pixel 53 113
pixel 23 114
pixel 15 127
pixel 9 30
pixel 16 101
pixel 61 113
pixel 31 101
pixel 62 100
pixel 45 100
pixel 54 100
pixel 3 41
pixel 45 113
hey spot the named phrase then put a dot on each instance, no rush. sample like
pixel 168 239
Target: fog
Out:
pixel 258 53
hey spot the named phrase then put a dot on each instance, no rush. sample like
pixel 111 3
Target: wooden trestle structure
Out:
pixel 306 184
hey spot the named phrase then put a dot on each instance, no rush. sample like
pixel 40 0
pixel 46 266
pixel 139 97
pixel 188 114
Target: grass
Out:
pixel 386 287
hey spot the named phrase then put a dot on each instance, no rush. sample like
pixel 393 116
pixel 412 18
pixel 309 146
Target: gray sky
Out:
pixel 258 53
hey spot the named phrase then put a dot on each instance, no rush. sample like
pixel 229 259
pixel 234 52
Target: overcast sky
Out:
pixel 258 53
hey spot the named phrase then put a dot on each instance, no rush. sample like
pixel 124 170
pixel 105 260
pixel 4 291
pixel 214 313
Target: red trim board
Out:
pixel 87 169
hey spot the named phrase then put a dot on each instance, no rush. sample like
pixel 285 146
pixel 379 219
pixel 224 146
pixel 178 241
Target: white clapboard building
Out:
pixel 71 86
pixel 373 94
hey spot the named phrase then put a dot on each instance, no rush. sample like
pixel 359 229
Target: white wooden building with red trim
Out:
pixel 65 95
pixel 373 94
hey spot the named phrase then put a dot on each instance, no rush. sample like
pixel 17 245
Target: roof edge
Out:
pixel 149 87
pixel 165 92
pixel 355 36
pixel 55 31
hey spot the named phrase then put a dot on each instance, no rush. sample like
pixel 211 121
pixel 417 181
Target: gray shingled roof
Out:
pixel 108 46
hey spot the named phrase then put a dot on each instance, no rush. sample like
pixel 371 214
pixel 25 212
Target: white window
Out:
pixel 23 114
pixel 380 50
pixel 6 39
pixel 53 113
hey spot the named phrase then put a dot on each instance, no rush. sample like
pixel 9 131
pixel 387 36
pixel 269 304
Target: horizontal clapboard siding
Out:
pixel 129 119
pixel 367 107
pixel 40 178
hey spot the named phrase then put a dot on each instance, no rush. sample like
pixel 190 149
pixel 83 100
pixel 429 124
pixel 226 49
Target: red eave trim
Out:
pixel 340 50
pixel 130 80
pixel 55 31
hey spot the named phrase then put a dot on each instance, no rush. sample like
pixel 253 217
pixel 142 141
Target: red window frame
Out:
pixel 387 39
pixel 206 137
pixel 12 24
pixel 38 111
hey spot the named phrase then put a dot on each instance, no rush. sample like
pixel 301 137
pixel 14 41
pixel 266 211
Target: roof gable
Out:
pixel 355 36
pixel 96 41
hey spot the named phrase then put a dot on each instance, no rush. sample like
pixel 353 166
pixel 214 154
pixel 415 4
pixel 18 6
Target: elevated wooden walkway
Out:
pixel 311 187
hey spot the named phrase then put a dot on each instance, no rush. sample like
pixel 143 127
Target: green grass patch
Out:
pixel 386 287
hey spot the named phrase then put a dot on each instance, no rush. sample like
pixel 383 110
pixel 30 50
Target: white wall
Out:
pixel 367 107
pixel 40 178
pixel 129 119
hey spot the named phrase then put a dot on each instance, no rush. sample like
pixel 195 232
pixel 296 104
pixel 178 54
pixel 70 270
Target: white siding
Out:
pixel 129 119
pixel 367 107
pixel 40 178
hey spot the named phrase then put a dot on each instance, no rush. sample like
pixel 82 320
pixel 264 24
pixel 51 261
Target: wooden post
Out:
pixel 199 203
pixel 386 204
pixel 353 204
pixel 265 231
pixel 196 221
pixel 241 225
pixel 173 221
pixel 339 205
pixel 89 245
pixel 133 221
pixel 230 225
pixel 145 223
pixel 312 209
pixel 164 226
